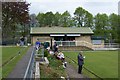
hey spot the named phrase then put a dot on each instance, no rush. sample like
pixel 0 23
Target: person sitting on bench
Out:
pixel 60 56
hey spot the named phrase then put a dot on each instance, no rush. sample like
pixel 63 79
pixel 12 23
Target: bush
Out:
pixel 42 44
pixel 46 53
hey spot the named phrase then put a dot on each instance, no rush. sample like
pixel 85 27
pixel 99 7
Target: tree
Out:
pixel 41 19
pixel 33 20
pixel 118 29
pixel 114 25
pixel 71 22
pixel 57 19
pixel 65 19
pixel 83 18
pixel 49 19
pixel 88 20
pixel 101 25
pixel 13 13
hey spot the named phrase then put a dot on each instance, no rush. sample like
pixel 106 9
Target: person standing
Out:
pixel 80 62
pixel 22 41
pixel 37 44
pixel 55 47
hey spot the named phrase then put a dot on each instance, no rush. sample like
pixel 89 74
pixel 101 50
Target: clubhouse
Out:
pixel 66 37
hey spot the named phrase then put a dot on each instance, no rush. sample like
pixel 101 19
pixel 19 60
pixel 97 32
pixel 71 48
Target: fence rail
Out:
pixel 30 68
pixel 111 45
pixel 73 43
pixel 87 44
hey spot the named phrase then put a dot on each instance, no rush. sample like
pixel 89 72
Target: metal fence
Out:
pixel 30 68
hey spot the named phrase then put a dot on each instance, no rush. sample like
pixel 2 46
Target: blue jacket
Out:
pixel 37 43
pixel 80 60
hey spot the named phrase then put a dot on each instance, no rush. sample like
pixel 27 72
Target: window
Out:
pixel 60 38
pixel 65 41
pixel 99 42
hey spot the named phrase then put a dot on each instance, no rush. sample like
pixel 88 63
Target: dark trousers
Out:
pixel 80 69
pixel 56 50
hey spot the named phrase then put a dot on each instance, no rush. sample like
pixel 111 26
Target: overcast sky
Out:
pixel 93 6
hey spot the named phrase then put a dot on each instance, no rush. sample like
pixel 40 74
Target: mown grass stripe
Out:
pixel 9 67
pixel 13 57
pixel 86 68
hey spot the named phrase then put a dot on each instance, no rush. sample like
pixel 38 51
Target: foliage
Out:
pixel 46 53
pixel 41 19
pixel 33 21
pixel 114 26
pixel 107 27
pixel 14 13
pixel 65 19
pixel 53 70
pixel 101 25
pixel 46 19
pixel 49 18
pixel 118 29
pixel 57 19
pixel 83 18
pixel 16 21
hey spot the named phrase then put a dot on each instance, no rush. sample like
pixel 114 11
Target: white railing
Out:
pixel 74 43
pixel 111 45
pixel 107 46
pixel 66 43
pixel 87 44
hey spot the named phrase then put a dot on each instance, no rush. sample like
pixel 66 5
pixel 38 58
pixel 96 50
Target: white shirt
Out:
pixel 60 55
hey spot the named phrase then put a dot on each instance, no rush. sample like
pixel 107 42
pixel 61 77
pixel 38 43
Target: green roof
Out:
pixel 62 30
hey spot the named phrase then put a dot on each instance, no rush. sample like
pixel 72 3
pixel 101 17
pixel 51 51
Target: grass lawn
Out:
pixel 102 63
pixel 7 53
pixel 54 69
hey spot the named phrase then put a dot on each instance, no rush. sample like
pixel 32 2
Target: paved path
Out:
pixel 72 73
pixel 21 66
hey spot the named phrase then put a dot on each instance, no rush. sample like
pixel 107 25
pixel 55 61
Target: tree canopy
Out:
pixel 13 13
pixel 83 17
pixel 16 14
pixel 114 26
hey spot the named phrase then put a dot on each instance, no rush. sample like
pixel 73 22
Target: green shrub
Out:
pixel 42 44
pixel 39 51
pixel 46 53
